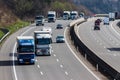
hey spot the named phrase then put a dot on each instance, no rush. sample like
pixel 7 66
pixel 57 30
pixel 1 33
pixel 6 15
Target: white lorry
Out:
pixel 111 16
pixel 74 15
pixel 66 15
pixel 25 50
pixel 51 16
pixel 42 43
pixel 106 21
pixel 39 20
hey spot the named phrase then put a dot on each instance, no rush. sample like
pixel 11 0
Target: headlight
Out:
pixel 20 60
pixel 32 59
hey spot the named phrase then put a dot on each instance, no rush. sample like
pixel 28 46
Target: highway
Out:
pixel 61 65
pixel 104 43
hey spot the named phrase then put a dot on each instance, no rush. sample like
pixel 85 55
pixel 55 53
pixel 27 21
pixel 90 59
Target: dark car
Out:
pixel 59 26
pixel 100 20
pixel 96 27
pixel 60 39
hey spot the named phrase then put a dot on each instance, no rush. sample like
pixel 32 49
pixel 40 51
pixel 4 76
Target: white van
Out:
pixel 106 21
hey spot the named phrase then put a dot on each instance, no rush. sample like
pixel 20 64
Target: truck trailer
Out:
pixel 42 41
pixel 25 50
pixel 111 16
pixel 51 16
pixel 39 20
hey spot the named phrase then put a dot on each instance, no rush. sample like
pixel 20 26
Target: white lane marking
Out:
pixel 66 72
pixel 61 66
pixel 114 29
pixel 78 57
pixel 36 60
pixel 13 58
pixel 41 72
pixel 54 55
pixel 57 60
pixel 38 66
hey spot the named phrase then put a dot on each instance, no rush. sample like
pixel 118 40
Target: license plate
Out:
pixel 26 62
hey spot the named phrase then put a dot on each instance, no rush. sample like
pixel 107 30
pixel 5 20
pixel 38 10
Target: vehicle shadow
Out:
pixel 11 54
pixel 114 49
pixel 7 62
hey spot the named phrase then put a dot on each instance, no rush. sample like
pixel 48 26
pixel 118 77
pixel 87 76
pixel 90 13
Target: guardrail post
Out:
pixel 97 67
pixel 85 56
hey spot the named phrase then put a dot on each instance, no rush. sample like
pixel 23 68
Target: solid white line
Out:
pixel 114 29
pixel 13 58
pixel 78 58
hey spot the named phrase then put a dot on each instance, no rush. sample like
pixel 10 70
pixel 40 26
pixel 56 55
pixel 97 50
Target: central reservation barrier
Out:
pixel 101 65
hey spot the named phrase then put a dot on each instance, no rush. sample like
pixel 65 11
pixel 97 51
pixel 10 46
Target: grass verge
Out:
pixel 14 27
pixel 1 34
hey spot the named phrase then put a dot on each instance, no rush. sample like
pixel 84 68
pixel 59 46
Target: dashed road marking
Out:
pixel 36 60
pixel 61 66
pixel 57 60
pixel 38 66
pixel 66 72
pixel 41 72
pixel 54 55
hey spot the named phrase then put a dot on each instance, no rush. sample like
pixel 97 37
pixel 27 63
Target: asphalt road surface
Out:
pixel 105 43
pixel 61 65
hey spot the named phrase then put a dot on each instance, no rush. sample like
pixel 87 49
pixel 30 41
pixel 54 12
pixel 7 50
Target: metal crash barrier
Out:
pixel 101 66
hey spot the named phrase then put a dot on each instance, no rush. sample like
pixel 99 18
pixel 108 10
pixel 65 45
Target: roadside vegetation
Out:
pixel 1 34
pixel 17 25
pixel 13 27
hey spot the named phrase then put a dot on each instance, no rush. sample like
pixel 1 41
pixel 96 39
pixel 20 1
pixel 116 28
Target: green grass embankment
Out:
pixel 1 34
pixel 14 27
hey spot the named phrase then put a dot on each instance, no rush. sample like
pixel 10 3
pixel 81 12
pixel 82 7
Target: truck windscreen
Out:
pixel 26 48
pixel 26 55
pixel 50 15
pixel 73 14
pixel 65 14
pixel 43 41
pixel 38 17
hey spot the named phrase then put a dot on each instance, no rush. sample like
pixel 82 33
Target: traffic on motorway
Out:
pixel 38 47
pixel 40 44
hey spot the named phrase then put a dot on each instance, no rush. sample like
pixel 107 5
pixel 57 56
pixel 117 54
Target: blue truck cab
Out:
pixel 25 50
